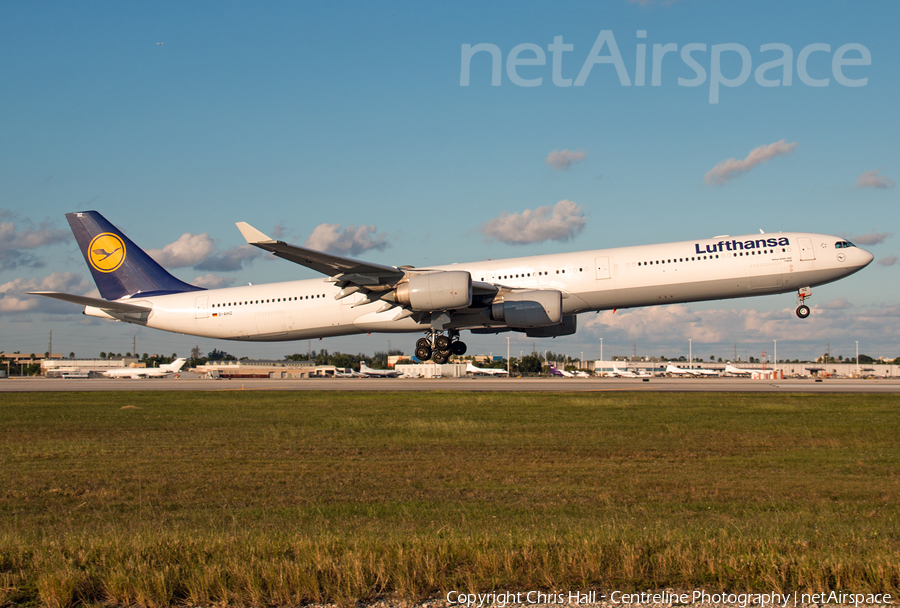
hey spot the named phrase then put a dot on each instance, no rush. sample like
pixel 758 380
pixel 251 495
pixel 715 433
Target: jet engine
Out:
pixel 568 327
pixel 436 291
pixel 524 309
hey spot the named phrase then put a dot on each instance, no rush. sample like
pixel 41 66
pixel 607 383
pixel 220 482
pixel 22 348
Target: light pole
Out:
pixel 857 357
pixel 507 357
pixel 775 356
pixel 691 352
pixel 601 353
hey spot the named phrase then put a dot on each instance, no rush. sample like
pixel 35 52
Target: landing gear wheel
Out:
pixel 803 311
pixel 442 343
pixel 423 343
pixel 423 353
pixel 440 358
pixel 458 348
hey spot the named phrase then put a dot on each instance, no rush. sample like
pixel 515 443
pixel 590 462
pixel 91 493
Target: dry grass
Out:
pixel 274 499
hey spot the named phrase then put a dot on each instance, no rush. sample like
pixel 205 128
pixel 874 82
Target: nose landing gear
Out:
pixel 803 309
pixel 438 347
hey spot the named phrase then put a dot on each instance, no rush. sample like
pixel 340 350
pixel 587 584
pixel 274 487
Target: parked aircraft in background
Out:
pixel 622 373
pixel 627 373
pixel 146 372
pixel 539 296
pixel 368 372
pixel 346 372
pixel 673 370
pixel 582 374
pixel 740 371
pixel 560 372
pixel 487 371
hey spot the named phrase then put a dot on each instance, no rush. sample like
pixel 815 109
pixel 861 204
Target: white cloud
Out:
pixel 871 238
pixel 837 304
pixel 15 299
pixel 563 159
pixel 871 179
pixel 560 222
pixel 13 241
pixel 888 261
pixel 200 252
pixel 729 169
pixel 279 231
pixel 230 260
pixel 211 281
pixel 188 250
pixel 352 240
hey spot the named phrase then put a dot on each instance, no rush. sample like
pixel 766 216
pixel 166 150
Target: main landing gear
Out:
pixel 438 347
pixel 803 309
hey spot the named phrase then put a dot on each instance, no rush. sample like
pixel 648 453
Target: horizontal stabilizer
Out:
pixel 95 302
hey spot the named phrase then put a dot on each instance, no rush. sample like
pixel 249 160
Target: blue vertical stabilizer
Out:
pixel 119 267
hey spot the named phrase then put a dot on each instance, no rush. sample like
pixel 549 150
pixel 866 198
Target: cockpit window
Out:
pixel 843 245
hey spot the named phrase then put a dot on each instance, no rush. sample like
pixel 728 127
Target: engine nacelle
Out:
pixel 524 309
pixel 568 327
pixel 436 291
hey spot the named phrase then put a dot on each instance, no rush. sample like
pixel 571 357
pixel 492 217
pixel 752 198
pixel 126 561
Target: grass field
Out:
pixel 282 498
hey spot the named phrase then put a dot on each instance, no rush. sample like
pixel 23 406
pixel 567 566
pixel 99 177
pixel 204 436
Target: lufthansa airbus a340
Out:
pixel 539 296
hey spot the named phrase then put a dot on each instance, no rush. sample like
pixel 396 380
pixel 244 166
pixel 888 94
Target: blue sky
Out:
pixel 345 125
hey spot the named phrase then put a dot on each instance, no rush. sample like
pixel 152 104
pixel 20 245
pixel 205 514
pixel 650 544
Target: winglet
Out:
pixel 252 235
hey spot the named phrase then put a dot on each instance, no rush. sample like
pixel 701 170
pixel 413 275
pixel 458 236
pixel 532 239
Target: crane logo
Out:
pixel 106 252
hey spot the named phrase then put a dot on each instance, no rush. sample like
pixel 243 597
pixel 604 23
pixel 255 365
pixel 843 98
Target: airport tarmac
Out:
pixel 564 385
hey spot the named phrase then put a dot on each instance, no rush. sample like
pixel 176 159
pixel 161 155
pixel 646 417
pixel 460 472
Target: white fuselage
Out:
pixel 602 279
pixel 135 373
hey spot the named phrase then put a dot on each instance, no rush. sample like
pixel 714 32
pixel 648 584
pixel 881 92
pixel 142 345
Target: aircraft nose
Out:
pixel 866 258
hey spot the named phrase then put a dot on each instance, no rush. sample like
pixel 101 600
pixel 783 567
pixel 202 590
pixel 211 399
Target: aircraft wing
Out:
pixel 95 302
pixel 346 269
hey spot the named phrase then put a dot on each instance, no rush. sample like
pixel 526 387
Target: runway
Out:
pixel 562 385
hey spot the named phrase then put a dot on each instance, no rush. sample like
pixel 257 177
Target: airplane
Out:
pixel 618 373
pixel 560 372
pixel 368 372
pixel 146 372
pixel 346 372
pixel 673 370
pixel 489 371
pixel 627 373
pixel 539 296
pixel 582 374
pixel 740 371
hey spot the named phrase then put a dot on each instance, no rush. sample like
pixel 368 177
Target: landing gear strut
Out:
pixel 803 309
pixel 438 347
